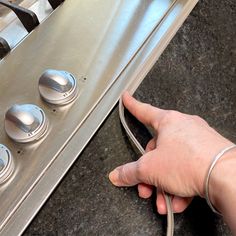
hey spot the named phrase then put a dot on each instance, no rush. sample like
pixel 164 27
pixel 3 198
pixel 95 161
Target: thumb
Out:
pixel 125 175
pixel 132 173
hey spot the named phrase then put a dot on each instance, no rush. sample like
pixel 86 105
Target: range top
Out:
pixel 59 81
pixel 31 12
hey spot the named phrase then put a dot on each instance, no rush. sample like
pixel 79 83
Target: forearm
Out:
pixel 223 188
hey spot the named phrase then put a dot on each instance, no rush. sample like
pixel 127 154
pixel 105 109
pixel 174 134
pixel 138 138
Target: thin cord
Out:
pixel 170 214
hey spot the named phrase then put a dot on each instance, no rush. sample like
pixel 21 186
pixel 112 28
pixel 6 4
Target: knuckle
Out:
pixel 123 174
pixel 146 107
pixel 142 168
pixel 149 106
pixel 170 117
pixel 199 119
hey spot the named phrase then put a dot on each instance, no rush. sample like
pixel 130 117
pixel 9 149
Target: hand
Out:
pixel 176 160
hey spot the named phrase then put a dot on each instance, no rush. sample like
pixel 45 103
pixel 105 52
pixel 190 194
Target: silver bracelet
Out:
pixel 214 161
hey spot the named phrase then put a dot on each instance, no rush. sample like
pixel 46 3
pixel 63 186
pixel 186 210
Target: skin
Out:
pixel 177 160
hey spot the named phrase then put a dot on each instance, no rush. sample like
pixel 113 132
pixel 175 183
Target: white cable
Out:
pixel 170 214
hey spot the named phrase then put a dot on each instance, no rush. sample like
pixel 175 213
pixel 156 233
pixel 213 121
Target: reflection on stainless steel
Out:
pixel 25 123
pixel 11 29
pixel 28 18
pixel 4 10
pixel 107 46
pixel 57 87
pixel 2 165
pixel 4 48
pixel 6 163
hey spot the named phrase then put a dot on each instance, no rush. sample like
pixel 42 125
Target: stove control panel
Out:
pixel 6 163
pixel 57 87
pixel 25 123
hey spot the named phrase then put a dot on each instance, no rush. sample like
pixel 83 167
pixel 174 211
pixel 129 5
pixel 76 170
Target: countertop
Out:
pixel 196 75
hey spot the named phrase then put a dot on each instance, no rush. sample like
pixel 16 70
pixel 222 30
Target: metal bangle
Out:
pixel 214 161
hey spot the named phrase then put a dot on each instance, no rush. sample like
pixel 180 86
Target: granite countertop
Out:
pixel 196 75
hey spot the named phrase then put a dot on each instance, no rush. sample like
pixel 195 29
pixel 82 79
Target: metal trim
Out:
pixel 130 79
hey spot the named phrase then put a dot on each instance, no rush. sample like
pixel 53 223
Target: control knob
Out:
pixel 6 163
pixel 25 123
pixel 57 87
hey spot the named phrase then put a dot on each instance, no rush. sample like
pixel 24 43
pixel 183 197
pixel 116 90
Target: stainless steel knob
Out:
pixel 6 163
pixel 25 123
pixel 57 87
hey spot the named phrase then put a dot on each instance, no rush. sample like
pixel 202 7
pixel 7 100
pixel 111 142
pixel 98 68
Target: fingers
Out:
pixel 179 204
pixel 130 174
pixel 160 203
pixel 145 190
pixel 145 113
pixel 151 145
pixel 125 175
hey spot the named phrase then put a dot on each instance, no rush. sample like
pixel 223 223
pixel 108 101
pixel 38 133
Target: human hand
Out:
pixel 176 160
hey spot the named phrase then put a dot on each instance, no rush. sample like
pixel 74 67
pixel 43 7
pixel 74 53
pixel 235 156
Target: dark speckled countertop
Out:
pixel 196 74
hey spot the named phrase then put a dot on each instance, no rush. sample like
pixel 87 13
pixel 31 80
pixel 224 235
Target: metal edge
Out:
pixel 157 51
pixel 132 77
pixel 173 2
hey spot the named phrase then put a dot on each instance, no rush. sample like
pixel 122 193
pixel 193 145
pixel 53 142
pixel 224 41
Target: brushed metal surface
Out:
pixel 93 40
pixel 25 123
pixel 11 29
pixel 57 87
pixel 96 54
pixel 6 163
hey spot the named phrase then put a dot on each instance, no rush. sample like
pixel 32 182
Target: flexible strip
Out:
pixel 170 214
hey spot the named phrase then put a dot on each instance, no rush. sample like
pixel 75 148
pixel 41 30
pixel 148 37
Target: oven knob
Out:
pixel 57 87
pixel 25 123
pixel 6 163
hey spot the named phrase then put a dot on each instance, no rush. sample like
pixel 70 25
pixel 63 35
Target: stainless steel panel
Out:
pixel 11 29
pixel 105 48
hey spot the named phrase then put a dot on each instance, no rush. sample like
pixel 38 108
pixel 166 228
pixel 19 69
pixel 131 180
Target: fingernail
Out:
pixel 114 176
pixel 161 209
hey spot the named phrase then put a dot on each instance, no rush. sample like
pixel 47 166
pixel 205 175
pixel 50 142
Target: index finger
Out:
pixel 145 113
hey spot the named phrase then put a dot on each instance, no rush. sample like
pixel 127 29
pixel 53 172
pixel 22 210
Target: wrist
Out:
pixel 222 188
pixel 205 165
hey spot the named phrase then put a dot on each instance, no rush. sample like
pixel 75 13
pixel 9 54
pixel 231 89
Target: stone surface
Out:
pixel 196 75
